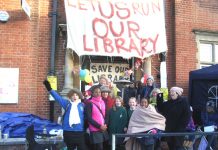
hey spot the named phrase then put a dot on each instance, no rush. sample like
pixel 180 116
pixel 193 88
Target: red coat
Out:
pixel 109 102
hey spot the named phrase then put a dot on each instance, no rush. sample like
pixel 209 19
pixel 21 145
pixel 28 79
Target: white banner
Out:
pixel 130 28
pixel 9 79
pixel 113 71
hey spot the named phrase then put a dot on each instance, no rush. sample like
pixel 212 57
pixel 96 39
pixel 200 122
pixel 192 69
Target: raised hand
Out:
pixel 47 85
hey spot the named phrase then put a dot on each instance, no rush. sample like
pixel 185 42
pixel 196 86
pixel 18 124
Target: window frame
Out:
pixel 206 37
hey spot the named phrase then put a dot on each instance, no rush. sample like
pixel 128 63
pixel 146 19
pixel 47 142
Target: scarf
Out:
pixel 74 117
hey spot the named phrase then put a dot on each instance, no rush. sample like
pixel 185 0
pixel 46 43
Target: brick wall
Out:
pixel 195 14
pixel 25 44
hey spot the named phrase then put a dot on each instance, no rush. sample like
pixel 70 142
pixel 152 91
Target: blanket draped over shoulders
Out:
pixel 144 119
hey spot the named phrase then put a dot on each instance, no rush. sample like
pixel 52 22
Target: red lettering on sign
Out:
pixel 113 31
pixel 122 8
pixel 110 7
pixel 133 28
pixel 141 46
pixel 82 6
pixel 100 22
pixel 155 6
pixel 138 8
pixel 145 44
pixel 84 44
pixel 70 4
pixel 132 46
pixel 96 44
pixel 108 47
pixel 119 43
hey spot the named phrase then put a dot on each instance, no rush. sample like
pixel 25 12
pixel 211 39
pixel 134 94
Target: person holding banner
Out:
pixel 73 118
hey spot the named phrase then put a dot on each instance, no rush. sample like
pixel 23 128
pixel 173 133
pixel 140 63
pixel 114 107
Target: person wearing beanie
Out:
pixel 150 85
pixel 73 118
pixel 209 117
pixel 105 94
pixel 177 113
pixel 153 96
pixel 103 80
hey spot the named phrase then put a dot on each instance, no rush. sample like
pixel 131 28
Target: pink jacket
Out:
pixel 96 114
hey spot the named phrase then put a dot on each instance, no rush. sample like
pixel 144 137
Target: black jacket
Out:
pixel 177 113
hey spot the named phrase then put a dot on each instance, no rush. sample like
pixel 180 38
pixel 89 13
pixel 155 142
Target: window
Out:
pixel 207 43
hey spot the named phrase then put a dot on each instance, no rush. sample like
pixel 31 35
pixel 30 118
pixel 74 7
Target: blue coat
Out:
pixel 64 103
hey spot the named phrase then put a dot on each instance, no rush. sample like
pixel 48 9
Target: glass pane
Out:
pixel 206 52
pixel 216 53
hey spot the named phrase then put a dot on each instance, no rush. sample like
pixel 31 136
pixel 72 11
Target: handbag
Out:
pixel 105 133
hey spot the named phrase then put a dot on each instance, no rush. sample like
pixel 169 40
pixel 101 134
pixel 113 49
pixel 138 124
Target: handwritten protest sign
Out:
pixel 130 28
pixel 113 72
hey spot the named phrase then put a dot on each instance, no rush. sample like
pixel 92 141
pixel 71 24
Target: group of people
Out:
pixel 105 114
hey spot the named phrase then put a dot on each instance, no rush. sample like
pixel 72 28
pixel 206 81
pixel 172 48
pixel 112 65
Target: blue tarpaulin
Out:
pixel 15 124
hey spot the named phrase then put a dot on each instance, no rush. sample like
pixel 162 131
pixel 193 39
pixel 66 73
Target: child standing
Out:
pixel 132 106
pixel 117 120
pixel 95 112
pixel 145 119
pixel 73 119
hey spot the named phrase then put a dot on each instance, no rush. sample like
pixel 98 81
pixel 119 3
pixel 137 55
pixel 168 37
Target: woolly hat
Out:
pixel 105 89
pixel 74 90
pixel 210 106
pixel 178 90
pixel 150 77
pixel 103 77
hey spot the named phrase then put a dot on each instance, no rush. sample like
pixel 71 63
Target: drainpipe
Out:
pixel 53 46
pixel 173 39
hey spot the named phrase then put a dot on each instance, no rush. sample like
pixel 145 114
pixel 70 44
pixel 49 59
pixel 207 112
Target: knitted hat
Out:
pixel 105 89
pixel 211 106
pixel 150 77
pixel 74 90
pixel 103 77
pixel 178 90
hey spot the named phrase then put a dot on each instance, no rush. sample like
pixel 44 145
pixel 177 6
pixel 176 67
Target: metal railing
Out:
pixel 157 135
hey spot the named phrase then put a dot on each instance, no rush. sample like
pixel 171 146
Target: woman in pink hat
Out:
pixel 177 113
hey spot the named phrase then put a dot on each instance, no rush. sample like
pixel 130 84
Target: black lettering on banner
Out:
pixel 110 68
pixel 100 68
pixel 94 69
pixel 94 79
pixel 109 77
pixel 117 69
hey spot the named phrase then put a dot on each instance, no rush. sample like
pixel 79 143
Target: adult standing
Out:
pixel 129 91
pixel 105 93
pixel 73 119
pixel 95 112
pixel 150 85
pixel 102 81
pixel 177 113
pixel 153 97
